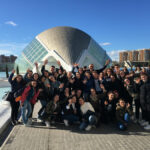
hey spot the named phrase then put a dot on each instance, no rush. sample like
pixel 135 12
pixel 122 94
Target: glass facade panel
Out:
pixel 22 63
pixel 32 53
pixel 35 51
pixel 98 53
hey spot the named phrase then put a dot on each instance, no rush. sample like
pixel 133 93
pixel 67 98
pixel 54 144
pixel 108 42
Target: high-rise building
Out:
pixel 142 55
pixel 6 59
pixel 147 55
pixel 66 44
pixel 135 55
pixel 130 56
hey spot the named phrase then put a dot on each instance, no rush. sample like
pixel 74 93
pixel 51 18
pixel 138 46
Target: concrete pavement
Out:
pixel 59 137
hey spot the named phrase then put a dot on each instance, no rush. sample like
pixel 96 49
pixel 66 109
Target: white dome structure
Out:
pixel 66 44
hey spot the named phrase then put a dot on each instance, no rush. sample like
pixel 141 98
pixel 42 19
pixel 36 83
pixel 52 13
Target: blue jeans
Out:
pixel 71 118
pixel 26 110
pixel 43 102
pixel 91 121
pixel 122 126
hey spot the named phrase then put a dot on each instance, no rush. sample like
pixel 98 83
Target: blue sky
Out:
pixel 115 24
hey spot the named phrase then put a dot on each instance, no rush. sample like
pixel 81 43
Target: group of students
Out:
pixel 84 96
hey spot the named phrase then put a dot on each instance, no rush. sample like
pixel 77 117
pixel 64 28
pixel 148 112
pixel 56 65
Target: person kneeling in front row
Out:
pixel 52 111
pixel 123 113
pixel 88 115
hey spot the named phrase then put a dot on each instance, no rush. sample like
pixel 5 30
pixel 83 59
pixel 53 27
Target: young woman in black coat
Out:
pixel 16 84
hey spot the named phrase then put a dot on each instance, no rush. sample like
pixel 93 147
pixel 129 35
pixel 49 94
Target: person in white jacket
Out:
pixel 88 115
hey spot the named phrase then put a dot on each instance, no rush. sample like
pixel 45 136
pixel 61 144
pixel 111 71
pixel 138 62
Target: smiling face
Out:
pixel 34 84
pixel 111 96
pixel 80 70
pixel 81 101
pixel 30 73
pixel 122 103
pixel 91 67
pixel 95 75
pixel 93 91
pixel 122 74
pixel 19 78
pixel 52 69
pixel 56 98
pixel 35 76
pixel 77 75
pixel 144 78
pixel 74 99
pixel 87 74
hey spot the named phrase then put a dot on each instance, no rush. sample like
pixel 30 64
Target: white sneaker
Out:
pixel 147 127
pixel 66 123
pixel 88 128
pixel 39 120
pixel 144 123
pixel 47 124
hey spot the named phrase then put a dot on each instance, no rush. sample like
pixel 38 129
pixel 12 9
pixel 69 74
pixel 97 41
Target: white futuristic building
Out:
pixel 66 44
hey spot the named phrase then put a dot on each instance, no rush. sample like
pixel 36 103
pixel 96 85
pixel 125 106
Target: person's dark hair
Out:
pixel 110 92
pixel 94 71
pixel 143 74
pixel 121 99
pixel 46 71
pixel 116 65
pixel 15 78
pixel 87 72
pixel 81 98
pixel 70 97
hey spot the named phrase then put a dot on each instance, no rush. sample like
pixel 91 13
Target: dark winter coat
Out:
pixel 145 93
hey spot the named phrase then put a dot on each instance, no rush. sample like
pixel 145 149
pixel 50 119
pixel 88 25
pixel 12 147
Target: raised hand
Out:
pixel 36 64
pixel 58 62
pixel 75 65
pixel 45 62
pixel 107 62
pixel 13 71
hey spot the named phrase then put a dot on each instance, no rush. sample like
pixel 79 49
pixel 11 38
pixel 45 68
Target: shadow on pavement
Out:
pixel 133 129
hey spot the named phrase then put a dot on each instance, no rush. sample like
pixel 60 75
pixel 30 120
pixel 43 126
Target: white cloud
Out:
pixel 12 23
pixel 114 54
pixel 12 48
pixel 5 52
pixel 105 44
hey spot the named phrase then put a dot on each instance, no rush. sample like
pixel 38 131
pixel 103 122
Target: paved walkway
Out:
pixel 106 137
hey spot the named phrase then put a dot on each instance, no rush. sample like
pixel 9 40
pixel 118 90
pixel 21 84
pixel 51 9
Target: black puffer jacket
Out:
pixel 145 93
pixel 15 86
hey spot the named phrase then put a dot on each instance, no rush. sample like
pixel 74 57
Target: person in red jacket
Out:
pixel 29 96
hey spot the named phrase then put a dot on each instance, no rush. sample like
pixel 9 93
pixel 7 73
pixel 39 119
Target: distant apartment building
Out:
pixel 130 56
pixel 123 56
pixel 142 55
pixel 7 61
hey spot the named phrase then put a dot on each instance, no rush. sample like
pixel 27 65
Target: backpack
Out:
pixel 7 96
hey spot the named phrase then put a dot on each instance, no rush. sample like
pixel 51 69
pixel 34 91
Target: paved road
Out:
pixel 106 137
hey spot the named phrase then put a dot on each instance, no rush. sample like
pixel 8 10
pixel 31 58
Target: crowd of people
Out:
pixel 83 96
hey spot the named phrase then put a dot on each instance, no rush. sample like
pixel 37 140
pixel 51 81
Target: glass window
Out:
pixel 35 51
